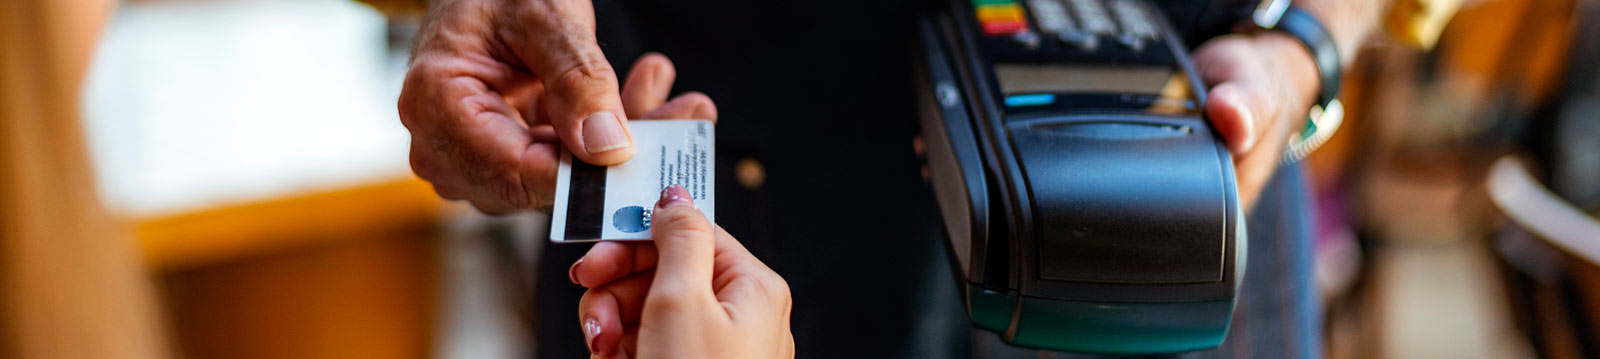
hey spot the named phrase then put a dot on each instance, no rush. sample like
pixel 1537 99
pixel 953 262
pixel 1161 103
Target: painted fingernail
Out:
pixel 602 132
pixel 572 272
pixel 591 332
pixel 675 195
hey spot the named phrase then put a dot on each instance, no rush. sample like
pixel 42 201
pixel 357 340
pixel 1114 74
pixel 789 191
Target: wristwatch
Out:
pixel 1327 113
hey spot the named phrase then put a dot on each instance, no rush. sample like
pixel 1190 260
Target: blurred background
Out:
pixel 228 179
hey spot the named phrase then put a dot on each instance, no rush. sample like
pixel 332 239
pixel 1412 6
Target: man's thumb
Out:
pixel 582 97
pixel 685 246
pixel 588 116
pixel 1237 113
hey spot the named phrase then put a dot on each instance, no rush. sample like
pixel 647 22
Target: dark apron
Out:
pixel 820 94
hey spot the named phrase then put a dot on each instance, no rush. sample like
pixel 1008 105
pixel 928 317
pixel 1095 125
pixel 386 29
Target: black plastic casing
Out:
pixel 1088 225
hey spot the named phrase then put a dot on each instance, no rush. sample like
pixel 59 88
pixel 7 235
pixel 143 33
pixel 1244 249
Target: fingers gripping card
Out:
pixel 614 203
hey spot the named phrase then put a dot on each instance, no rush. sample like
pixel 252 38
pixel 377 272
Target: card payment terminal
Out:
pixel 1089 205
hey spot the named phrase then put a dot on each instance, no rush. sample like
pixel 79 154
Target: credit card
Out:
pixel 614 203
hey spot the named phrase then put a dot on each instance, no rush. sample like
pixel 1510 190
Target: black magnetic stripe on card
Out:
pixel 586 200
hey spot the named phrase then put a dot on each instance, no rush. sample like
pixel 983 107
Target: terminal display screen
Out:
pixel 1149 89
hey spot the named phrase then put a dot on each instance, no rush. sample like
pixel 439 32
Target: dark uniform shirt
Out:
pixel 819 94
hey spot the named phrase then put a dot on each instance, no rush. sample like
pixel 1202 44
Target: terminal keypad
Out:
pixel 1080 24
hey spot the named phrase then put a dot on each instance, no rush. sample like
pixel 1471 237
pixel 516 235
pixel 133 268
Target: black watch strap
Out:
pixel 1304 27
pixel 1327 113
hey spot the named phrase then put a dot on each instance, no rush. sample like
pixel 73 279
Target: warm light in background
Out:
pixel 197 104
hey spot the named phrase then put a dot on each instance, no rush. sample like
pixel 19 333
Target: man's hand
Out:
pixel 1261 85
pixel 496 85
pixel 691 292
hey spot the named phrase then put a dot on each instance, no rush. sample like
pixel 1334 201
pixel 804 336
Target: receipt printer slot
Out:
pixel 1152 224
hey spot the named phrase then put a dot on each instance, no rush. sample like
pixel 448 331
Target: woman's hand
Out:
pixel 692 292
pixel 1261 86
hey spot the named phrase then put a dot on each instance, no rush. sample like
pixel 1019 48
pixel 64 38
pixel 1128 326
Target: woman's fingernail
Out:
pixel 602 132
pixel 591 331
pixel 572 272
pixel 675 195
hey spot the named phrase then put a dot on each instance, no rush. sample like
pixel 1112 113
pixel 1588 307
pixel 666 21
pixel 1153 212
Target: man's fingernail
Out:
pixel 675 195
pixel 1249 140
pixel 572 272
pixel 602 132
pixel 661 78
pixel 591 332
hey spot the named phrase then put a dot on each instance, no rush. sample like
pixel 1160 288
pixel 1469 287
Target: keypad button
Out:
pixel 1002 19
pixel 1093 17
pixel 1133 18
pixel 1026 39
pixel 1051 16
pixel 1006 12
pixel 1130 41
pixel 1003 28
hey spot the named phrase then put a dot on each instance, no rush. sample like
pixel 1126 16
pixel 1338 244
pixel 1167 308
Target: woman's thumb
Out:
pixel 685 245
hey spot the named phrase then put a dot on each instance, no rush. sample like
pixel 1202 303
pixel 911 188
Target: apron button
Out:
pixel 750 174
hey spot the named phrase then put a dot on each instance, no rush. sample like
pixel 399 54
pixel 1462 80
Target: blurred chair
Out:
pixel 1552 250
pixel 1550 244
